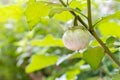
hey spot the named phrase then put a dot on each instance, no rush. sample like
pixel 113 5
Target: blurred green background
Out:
pixel 31 47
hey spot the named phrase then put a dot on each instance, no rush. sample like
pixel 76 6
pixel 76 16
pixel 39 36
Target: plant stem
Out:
pixel 78 11
pixel 63 3
pixel 89 14
pixel 82 22
pixel 75 21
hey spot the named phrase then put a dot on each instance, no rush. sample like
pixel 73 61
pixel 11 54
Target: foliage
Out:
pixel 31 47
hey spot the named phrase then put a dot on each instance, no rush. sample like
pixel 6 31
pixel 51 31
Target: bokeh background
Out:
pixel 38 53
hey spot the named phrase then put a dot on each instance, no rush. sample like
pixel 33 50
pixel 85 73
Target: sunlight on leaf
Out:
pixel 81 4
pixel 64 16
pixel 110 29
pixel 10 12
pixel 35 11
pixel 41 61
pixel 58 11
pixel 71 74
pixel 49 41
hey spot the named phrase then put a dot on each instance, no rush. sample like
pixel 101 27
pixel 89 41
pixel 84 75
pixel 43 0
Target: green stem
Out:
pixel 63 3
pixel 78 11
pixel 89 14
pixel 75 21
pixel 82 22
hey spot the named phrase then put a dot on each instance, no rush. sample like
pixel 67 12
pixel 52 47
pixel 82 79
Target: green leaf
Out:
pixel 110 29
pixel 48 41
pixel 41 61
pixel 81 4
pixel 58 11
pixel 8 12
pixel 76 55
pixel 36 10
pixel 71 74
pixel 68 57
pixel 110 41
pixel 115 15
pixel 64 16
pixel 93 56
pixel 116 77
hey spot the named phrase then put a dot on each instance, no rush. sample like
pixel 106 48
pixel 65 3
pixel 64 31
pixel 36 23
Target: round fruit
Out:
pixel 76 39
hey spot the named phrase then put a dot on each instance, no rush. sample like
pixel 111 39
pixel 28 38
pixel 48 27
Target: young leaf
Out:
pixel 93 56
pixel 41 61
pixel 36 10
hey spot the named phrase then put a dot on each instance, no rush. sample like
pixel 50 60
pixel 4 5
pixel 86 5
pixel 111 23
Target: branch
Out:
pixel 89 14
pixel 63 3
pixel 75 21
pixel 78 11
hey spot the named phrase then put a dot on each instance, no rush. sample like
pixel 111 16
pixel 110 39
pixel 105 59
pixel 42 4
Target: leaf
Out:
pixel 64 16
pixel 110 41
pixel 63 58
pixel 68 57
pixel 81 4
pixel 7 12
pixel 71 74
pixel 110 29
pixel 36 10
pixel 115 15
pixel 93 56
pixel 48 41
pixel 39 62
pixel 76 55
pixel 58 11
pixel 116 77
